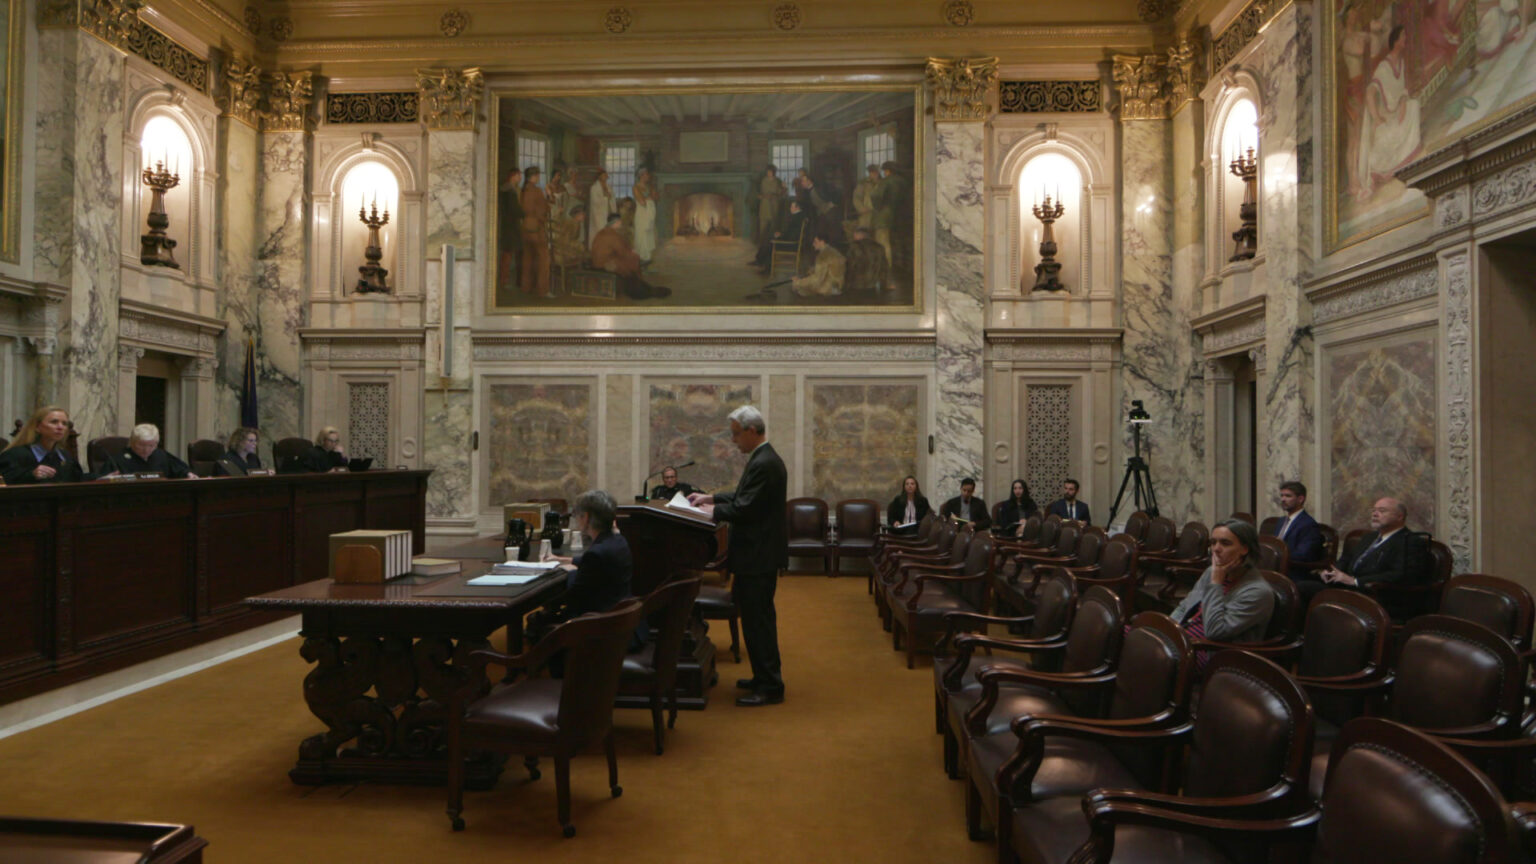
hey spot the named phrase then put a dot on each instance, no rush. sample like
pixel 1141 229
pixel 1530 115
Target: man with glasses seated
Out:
pixel 1390 554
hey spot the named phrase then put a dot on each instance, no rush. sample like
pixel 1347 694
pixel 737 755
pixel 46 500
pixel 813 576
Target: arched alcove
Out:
pixel 1071 173
pixel 165 127
pixel 357 176
pixel 1233 130
pixel 369 188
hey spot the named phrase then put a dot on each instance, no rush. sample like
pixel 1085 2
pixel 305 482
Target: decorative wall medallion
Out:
pixel 282 29
pixel 1143 84
pixel 786 16
pixel 959 13
pixel 253 20
pixel 289 95
pixel 960 87
pixel 241 86
pixel 453 22
pixel 1151 11
pixel 618 20
pixel 1029 97
pixel 450 97
pixel 391 107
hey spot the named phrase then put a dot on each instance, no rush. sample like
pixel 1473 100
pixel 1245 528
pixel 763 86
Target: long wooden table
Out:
pixel 97 576
pixel 386 659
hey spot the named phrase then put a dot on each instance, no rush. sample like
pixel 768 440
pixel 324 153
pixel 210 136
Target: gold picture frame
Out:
pixel 709 217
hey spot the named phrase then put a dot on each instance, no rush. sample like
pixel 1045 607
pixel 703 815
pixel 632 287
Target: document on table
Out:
pixel 515 573
pixel 680 502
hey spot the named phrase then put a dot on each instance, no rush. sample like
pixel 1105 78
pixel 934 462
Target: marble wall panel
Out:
pixel 450 192
pixel 688 421
pixel 445 450
pixel 280 266
pixel 239 157
pixel 960 285
pixel 1382 408
pixel 542 441
pixel 1160 355
pixel 620 471
pixel 784 431
pixel 864 440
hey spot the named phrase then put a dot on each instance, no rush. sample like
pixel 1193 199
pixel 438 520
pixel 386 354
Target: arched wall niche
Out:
pixel 1236 102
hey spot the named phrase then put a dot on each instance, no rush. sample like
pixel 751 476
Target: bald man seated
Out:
pixel 1390 554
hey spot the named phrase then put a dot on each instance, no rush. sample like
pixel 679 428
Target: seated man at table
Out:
pixel 144 456
pixel 670 487
pixel 598 578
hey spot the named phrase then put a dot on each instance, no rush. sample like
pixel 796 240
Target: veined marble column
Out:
pixel 451 102
pixel 1285 198
pixel 1160 362
pixel 78 208
pixel 239 156
pixel 962 90
pixel 280 256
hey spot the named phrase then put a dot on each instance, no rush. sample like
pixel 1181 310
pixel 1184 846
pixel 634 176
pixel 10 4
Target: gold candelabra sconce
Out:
pixel 1048 271
pixel 372 276
pixel 155 248
pixel 1245 167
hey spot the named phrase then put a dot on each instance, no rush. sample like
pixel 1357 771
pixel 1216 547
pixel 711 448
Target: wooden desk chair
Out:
pixel 786 253
pixel 653 671
pixel 555 717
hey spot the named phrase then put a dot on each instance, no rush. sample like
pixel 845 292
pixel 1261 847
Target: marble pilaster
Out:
pixel 279 281
pixel 960 286
pixel 446 450
pixel 450 190
pixel 239 155
pixel 78 207
pixel 1160 357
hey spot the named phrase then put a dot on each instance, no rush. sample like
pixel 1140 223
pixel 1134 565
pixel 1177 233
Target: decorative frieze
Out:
pixel 1223 340
pixel 1413 280
pixel 141 326
pixel 1142 81
pixel 961 87
pixel 1458 402
pixel 1242 30
pixel 117 23
pixel 532 348
pixel 289 95
pixel 1504 189
pixel 241 90
pixel 1033 97
pixel 383 107
pixel 450 98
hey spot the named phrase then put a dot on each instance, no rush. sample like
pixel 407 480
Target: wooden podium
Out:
pixel 663 542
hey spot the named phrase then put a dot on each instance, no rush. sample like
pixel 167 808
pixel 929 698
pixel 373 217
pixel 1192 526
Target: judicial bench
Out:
pixel 98 576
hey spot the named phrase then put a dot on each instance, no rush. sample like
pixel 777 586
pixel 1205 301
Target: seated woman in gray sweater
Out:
pixel 1231 602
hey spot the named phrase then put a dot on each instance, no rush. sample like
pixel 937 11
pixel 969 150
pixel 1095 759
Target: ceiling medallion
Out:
pixel 959 13
pixel 618 20
pixel 786 16
pixel 282 28
pixel 454 22
pixel 253 20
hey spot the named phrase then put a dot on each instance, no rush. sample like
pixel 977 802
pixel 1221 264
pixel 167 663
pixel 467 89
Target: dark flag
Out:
pixel 248 388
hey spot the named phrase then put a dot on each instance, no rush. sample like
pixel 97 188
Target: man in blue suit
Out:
pixel 1067 506
pixel 1299 531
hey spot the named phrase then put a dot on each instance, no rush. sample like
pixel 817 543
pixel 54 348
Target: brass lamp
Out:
pixel 1245 167
pixel 372 275
pixel 155 248
pixel 1048 271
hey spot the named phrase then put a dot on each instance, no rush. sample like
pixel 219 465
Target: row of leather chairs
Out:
pixel 1086 703
pixel 539 716
pixel 807 527
pixel 201 454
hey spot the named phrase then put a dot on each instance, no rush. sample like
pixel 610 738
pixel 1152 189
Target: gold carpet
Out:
pixel 848 769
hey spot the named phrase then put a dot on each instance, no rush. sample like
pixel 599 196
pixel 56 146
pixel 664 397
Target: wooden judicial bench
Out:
pixel 67 841
pixel 98 576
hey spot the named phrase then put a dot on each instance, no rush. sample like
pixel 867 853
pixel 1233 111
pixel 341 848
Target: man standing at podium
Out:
pixel 758 551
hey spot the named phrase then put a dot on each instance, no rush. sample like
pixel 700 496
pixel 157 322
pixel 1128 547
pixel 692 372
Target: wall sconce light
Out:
pixel 1245 167
pixel 155 249
pixel 1048 271
pixel 372 275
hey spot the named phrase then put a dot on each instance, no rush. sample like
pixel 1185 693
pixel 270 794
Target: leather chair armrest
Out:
pixel 1275 650
pixel 954 624
pixel 1260 804
pixel 1015 778
pixel 992 678
pixel 1350 684
pixel 925 578
pixel 1107 809
pixel 907 571
pixel 1022 646
pixel 1089 570
pixel 1366 675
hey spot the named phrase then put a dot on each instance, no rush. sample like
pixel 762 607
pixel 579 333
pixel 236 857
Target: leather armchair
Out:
pixel 653 670
pixel 1136 525
pixel 1245 757
pixel 937 591
pixel 887 544
pixel 858 526
pixel 1502 606
pixel 1115 570
pixel 288 449
pixel 1009 589
pixel 1391 794
pixel 1273 554
pixel 202 454
pixel 550 717
pixel 1188 559
pixel 1344 644
pixel 805 524
pixel 1083 558
pixel 98 450
pixel 1162 535
pixel 949 548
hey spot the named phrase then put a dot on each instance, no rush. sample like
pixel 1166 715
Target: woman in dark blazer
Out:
pixel 241 456
pixel 1017 507
pixel 37 455
pixel 327 455
pixel 908 508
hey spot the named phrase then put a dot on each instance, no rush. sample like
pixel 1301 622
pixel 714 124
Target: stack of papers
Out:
pixel 680 502
pixel 515 573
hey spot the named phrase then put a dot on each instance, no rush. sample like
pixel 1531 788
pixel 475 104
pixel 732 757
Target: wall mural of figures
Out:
pixel 1407 76
pixel 706 200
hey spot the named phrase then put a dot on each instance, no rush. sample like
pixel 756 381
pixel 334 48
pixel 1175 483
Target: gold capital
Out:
pixel 962 89
pixel 450 98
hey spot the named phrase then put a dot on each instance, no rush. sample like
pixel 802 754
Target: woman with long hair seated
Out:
pixel 37 455
pixel 907 508
pixel 241 456
pixel 1017 507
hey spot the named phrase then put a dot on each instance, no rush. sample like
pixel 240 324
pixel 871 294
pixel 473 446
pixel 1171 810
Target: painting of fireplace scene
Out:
pixel 705 200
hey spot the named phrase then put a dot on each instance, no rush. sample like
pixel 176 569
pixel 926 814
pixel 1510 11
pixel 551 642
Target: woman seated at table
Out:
pixel 241 456
pixel 327 454
pixel 907 509
pixel 143 455
pixel 1019 507
pixel 37 455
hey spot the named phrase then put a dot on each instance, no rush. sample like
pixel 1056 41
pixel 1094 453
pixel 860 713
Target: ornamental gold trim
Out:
pixel 1031 97
pixel 383 107
pixel 962 88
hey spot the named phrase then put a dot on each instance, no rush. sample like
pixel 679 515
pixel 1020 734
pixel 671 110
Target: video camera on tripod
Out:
pixel 1136 471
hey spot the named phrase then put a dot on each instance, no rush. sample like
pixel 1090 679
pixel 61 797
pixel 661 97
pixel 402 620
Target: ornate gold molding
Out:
pixel 289 95
pixel 959 13
pixel 1142 80
pixel 240 91
pixel 453 22
pixel 1186 71
pixel 450 98
pixel 962 88
pixel 116 22
pixel 618 20
pixel 786 16
pixel 373 107
pixel 1029 97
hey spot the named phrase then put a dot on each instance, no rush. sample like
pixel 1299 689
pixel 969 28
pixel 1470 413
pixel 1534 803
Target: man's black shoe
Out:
pixel 753 700
pixel 746 683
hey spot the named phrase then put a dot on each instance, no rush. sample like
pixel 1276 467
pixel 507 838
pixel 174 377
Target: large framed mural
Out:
pixel 1403 78
pixel 748 199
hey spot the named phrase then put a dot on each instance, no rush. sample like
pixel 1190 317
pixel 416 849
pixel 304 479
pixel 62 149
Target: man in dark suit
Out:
pixel 1067 506
pixel 1389 554
pixel 967 506
pixel 670 487
pixel 1299 531
pixel 759 550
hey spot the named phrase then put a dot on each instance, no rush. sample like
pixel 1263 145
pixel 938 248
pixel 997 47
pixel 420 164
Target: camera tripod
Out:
pixel 1136 473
